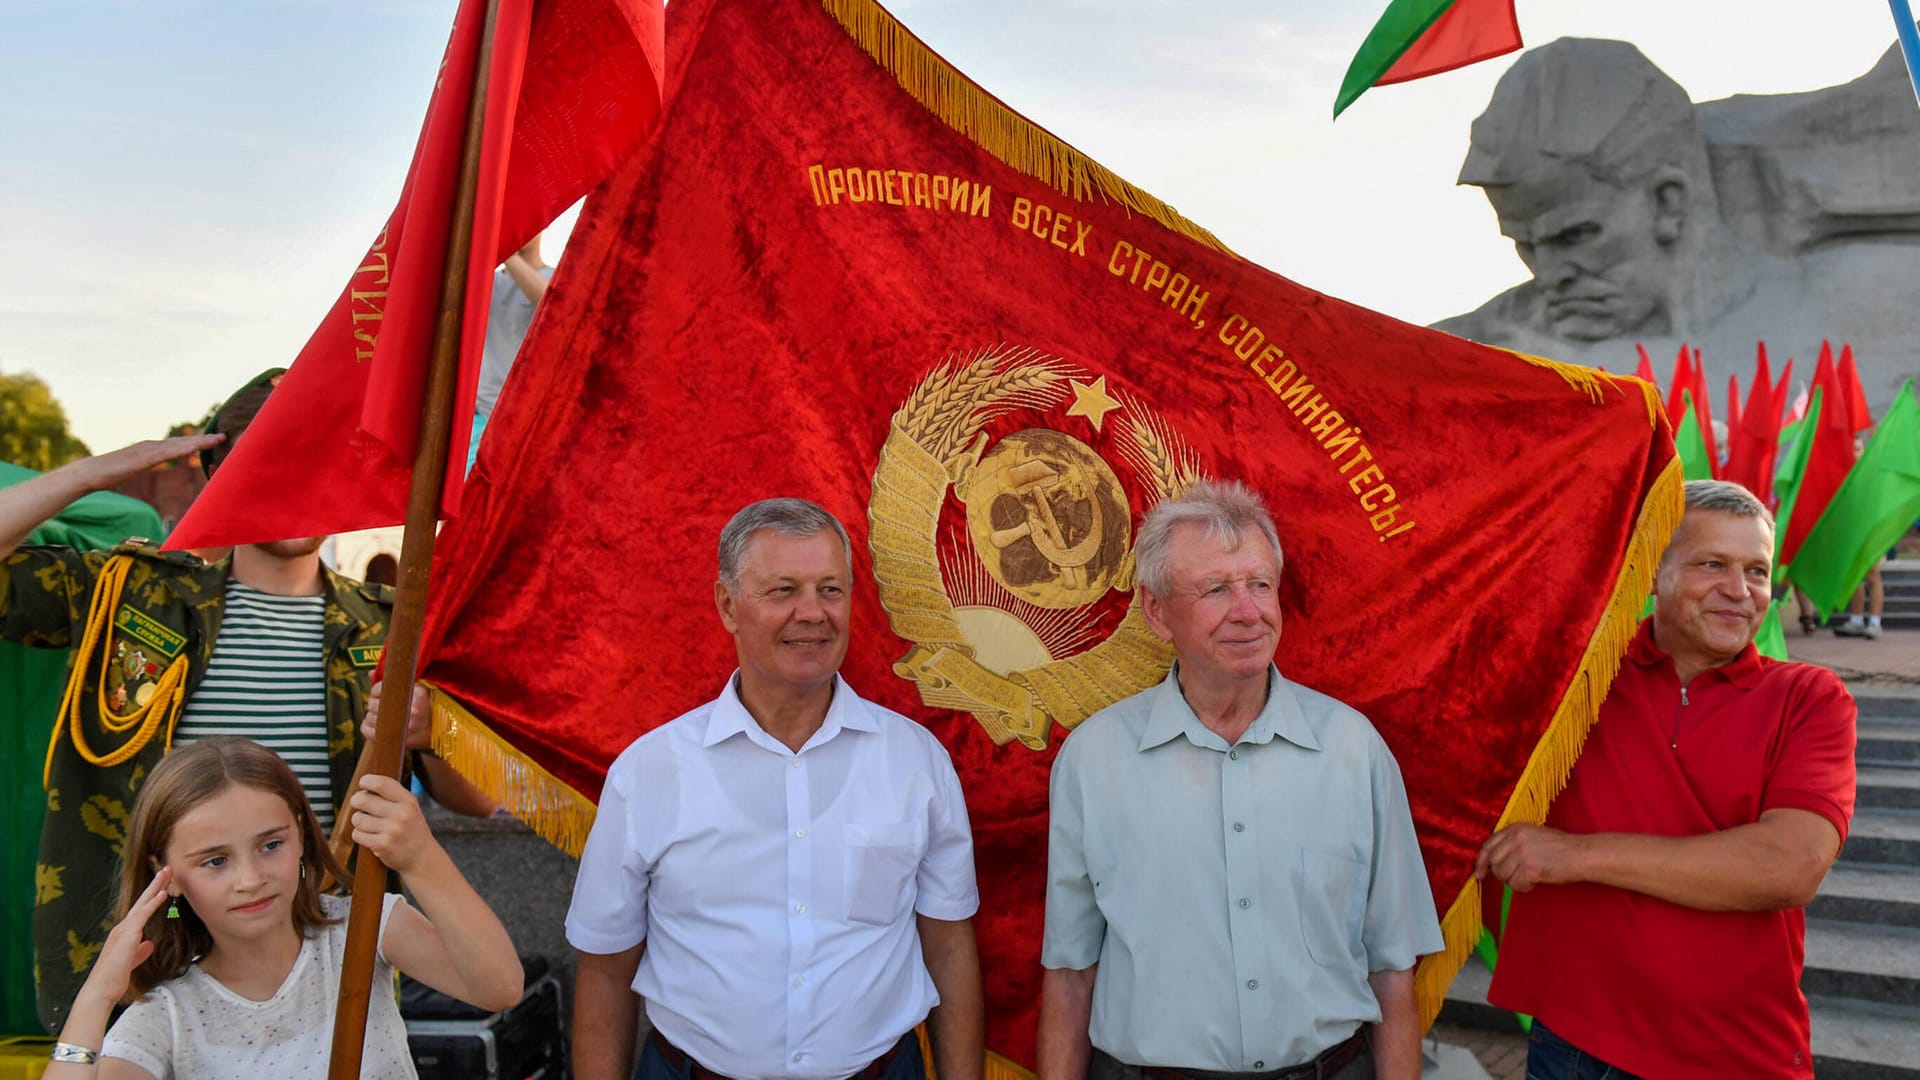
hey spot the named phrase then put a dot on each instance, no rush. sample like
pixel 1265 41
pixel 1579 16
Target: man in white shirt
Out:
pixel 785 874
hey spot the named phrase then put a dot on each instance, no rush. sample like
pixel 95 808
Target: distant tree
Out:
pixel 33 426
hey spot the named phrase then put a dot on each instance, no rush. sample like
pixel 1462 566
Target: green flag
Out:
pixel 1696 462
pixel 1786 481
pixel 1876 503
pixel 1770 639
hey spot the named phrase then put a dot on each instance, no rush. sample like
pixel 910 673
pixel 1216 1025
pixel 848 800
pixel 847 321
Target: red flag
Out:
pixel 1828 462
pixel 1859 417
pixel 1682 382
pixel 1644 372
pixel 1754 434
pixel 1703 401
pixel 573 89
pixel 835 274
pixel 1733 403
pixel 1780 397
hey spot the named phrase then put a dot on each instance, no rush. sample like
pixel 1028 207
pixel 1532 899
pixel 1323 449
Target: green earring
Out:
pixel 173 908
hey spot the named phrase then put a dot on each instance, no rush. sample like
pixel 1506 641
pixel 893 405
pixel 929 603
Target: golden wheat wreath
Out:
pixel 934 442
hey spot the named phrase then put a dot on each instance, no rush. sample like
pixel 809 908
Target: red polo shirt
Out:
pixel 1649 986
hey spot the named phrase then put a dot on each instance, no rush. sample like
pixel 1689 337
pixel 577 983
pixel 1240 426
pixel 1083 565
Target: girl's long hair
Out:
pixel 183 780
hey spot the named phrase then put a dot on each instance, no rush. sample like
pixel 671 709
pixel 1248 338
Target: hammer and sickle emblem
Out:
pixel 1031 481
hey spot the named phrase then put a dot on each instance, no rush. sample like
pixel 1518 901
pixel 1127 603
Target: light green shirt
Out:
pixel 1236 897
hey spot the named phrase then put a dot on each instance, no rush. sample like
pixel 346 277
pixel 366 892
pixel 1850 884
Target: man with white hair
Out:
pixel 1233 883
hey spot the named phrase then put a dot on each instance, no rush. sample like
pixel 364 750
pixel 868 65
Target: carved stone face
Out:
pixel 1602 255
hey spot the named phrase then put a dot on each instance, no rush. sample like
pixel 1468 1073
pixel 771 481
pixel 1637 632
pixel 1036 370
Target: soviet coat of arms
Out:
pixel 1003 605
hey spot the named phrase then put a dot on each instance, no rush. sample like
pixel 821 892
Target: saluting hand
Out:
pixel 107 471
pixel 127 947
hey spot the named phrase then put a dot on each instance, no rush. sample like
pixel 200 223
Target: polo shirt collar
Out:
pixel 728 717
pixel 1171 717
pixel 1742 671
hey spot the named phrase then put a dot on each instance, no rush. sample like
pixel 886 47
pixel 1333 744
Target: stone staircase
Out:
pixel 1862 975
pixel 1902 579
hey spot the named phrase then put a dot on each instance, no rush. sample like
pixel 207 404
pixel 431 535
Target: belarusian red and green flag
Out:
pixel 1877 503
pixel 1830 457
pixel 1417 38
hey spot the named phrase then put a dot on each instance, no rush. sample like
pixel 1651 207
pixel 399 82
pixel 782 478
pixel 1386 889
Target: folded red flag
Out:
pixel 841 271
pixel 573 89
pixel 1829 460
pixel 1859 416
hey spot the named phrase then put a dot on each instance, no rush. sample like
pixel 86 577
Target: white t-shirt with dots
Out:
pixel 194 1027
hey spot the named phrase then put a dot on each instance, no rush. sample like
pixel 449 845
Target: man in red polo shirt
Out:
pixel 1657 927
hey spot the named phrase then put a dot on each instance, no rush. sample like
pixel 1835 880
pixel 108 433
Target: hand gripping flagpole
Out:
pixel 386 751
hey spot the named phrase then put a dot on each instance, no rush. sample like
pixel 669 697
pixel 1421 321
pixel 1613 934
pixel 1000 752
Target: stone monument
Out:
pixel 1647 218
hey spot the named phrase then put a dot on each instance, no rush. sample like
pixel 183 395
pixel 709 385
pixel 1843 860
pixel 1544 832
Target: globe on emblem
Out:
pixel 1048 518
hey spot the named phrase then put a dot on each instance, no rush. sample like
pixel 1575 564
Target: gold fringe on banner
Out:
pixel 1590 381
pixel 999 1068
pixel 1546 772
pixel 994 127
pixel 549 806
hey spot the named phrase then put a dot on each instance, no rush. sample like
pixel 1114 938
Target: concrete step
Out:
pixel 1887 837
pixel 1852 1039
pixel 1863 1040
pixel 1890 787
pixel 1887 742
pixel 1882 702
pixel 1872 963
pixel 1870 894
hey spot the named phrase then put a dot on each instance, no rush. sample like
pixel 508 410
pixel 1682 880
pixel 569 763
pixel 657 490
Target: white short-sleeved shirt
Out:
pixel 1235 897
pixel 195 1028
pixel 777 890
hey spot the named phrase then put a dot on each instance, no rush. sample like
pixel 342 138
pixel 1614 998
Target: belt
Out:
pixel 677 1058
pixel 1330 1061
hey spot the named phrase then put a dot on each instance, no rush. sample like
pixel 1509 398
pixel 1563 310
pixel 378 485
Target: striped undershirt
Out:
pixel 266 681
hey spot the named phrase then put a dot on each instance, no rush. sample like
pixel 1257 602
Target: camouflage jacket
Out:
pixel 171 604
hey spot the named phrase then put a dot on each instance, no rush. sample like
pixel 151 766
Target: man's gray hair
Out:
pixel 1225 508
pixel 1726 497
pixel 794 517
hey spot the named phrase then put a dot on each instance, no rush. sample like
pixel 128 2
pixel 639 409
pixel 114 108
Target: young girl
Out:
pixel 231 951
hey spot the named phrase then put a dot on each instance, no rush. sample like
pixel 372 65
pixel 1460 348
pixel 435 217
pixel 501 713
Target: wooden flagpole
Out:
pixel 386 752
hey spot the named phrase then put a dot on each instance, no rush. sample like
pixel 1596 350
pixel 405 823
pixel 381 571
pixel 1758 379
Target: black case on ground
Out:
pixel 452 1040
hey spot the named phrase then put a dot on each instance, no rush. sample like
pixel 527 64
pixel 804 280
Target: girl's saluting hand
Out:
pixel 127 946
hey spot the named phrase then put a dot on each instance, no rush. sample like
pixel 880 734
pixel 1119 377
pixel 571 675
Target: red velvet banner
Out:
pixel 573 88
pixel 813 284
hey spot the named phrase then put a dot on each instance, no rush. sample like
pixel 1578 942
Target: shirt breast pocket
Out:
pixel 882 860
pixel 1332 902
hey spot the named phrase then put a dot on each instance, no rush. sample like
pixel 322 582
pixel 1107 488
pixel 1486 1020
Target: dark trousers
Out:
pixel 906 1063
pixel 1550 1057
pixel 1105 1066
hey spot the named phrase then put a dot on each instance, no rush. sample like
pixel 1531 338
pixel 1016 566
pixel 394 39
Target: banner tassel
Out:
pixel 972 111
pixel 548 805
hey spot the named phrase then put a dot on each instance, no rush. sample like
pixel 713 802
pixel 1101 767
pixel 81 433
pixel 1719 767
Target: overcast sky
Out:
pixel 185 185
